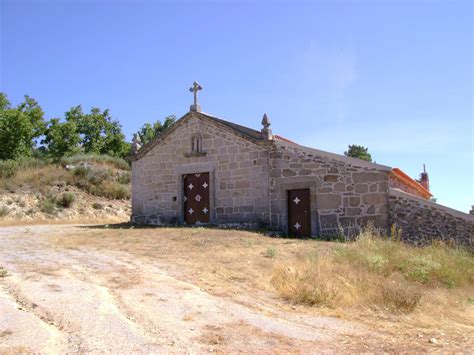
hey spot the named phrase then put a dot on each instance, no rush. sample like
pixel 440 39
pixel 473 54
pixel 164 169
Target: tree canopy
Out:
pixel 23 127
pixel 358 151
pixel 20 126
pixel 150 131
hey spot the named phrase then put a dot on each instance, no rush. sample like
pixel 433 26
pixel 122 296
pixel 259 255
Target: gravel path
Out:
pixel 57 300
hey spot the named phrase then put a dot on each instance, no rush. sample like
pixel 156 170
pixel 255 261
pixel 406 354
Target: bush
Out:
pixel 66 200
pixel 115 191
pixel 80 172
pixel 124 178
pixel 48 205
pixel 8 168
pixel 4 210
pixel 97 176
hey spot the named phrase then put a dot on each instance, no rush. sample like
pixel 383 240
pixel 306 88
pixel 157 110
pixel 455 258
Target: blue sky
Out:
pixel 395 76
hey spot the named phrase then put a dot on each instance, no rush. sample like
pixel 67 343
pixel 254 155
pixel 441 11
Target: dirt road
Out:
pixel 60 300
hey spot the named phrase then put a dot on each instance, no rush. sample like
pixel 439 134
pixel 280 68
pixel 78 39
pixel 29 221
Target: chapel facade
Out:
pixel 206 170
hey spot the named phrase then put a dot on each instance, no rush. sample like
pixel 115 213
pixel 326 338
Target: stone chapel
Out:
pixel 206 170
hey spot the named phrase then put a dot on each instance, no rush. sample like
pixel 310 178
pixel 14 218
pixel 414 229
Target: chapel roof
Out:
pixel 252 133
pixel 407 180
pixel 255 136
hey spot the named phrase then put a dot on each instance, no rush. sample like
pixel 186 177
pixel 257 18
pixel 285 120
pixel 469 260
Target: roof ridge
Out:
pixel 253 133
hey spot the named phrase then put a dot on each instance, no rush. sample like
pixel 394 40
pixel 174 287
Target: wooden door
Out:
pixel 299 213
pixel 196 198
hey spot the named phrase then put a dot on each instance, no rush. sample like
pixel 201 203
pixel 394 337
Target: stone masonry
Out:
pixel 238 171
pixel 423 221
pixel 250 174
pixel 346 193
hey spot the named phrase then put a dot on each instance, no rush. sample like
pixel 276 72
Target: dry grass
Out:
pixel 317 277
pixel 374 272
pixel 104 179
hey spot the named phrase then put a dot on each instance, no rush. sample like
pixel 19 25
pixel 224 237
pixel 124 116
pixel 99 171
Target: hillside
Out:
pixel 76 189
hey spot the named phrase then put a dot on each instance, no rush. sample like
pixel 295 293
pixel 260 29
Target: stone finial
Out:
pixel 194 89
pixel 136 143
pixel 266 131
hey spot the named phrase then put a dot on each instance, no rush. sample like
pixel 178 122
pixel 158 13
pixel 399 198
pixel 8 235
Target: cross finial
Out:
pixel 136 143
pixel 194 89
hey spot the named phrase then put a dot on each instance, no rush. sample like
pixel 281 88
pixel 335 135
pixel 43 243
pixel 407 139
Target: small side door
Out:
pixel 299 213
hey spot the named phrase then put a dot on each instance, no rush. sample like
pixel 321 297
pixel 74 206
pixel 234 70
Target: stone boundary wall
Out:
pixel 423 221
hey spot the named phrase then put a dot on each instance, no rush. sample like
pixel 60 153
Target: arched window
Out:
pixel 196 143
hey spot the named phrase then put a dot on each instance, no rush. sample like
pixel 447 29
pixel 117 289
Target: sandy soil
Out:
pixel 73 289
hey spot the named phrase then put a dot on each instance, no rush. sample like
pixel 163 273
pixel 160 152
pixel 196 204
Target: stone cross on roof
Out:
pixel 194 89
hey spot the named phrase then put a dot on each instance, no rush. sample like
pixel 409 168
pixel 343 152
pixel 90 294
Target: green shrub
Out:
pixel 124 178
pixel 8 168
pixel 115 191
pixel 66 200
pixel 4 210
pixel 48 205
pixel 97 176
pixel 80 172
pixel 3 272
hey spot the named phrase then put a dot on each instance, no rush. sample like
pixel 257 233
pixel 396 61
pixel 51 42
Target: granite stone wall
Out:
pixel 346 194
pixel 423 221
pixel 249 181
pixel 238 171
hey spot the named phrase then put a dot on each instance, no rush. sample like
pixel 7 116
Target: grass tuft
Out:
pixel 48 205
pixel 66 200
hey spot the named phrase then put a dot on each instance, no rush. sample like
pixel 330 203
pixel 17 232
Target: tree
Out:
pixel 61 138
pixel 98 132
pixel 19 127
pixel 148 132
pixel 358 151
pixel 114 142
